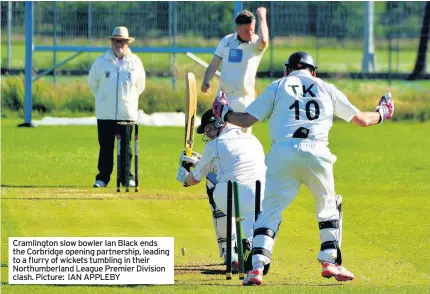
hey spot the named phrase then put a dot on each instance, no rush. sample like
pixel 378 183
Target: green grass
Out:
pixel 333 56
pixel 382 172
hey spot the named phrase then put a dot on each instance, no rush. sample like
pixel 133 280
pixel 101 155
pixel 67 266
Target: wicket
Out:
pixel 128 129
pixel 239 231
pixel 257 198
pixel 229 230
pixel 233 186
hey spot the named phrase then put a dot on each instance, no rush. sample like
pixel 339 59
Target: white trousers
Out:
pixel 291 163
pixel 239 104
pixel 247 206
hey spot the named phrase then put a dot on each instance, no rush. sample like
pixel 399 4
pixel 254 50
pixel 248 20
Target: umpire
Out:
pixel 116 79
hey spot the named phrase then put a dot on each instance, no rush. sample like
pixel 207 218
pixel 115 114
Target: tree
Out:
pixel 420 64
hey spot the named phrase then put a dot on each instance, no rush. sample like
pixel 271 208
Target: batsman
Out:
pixel 225 155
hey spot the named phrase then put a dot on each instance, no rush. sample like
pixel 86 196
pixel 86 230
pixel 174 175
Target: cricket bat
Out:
pixel 190 113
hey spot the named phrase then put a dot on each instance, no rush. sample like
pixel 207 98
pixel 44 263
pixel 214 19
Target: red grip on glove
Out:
pixel 388 106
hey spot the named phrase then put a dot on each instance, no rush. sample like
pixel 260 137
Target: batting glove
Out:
pixel 182 175
pixel 385 107
pixel 221 106
pixel 191 160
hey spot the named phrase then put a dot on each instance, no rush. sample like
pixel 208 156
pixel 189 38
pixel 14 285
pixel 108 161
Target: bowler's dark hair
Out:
pixel 244 17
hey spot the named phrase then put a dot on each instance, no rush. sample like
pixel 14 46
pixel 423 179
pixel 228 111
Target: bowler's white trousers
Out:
pixel 239 104
pixel 290 163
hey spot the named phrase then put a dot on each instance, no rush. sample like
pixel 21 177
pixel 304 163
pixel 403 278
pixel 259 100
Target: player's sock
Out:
pixel 258 265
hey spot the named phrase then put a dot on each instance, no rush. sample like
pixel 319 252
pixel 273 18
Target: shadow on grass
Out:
pixel 204 269
pixel 219 270
pixel 33 186
pixel 60 198
pixel 86 285
pixel 101 197
pixel 270 284
pixel 223 285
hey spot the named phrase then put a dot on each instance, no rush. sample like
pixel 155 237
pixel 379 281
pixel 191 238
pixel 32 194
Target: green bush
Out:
pixel 43 97
pixel 160 97
pixel 412 101
pixel 71 96
pixel 12 93
pixel 78 99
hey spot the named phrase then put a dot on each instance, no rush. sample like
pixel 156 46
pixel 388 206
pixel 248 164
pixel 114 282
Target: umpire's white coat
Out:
pixel 238 157
pixel 117 85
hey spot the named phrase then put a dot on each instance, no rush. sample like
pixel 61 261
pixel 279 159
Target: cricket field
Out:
pixel 383 174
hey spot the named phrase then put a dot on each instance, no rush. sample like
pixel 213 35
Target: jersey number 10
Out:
pixel 308 105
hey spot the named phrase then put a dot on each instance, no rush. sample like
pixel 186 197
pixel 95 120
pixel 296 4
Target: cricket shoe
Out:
pixel 254 277
pixel 99 184
pixel 334 270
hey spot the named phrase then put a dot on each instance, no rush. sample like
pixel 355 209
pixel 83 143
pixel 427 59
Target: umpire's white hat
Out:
pixel 121 33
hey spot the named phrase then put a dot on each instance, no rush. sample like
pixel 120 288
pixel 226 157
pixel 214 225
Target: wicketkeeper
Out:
pixel 301 109
pixel 225 151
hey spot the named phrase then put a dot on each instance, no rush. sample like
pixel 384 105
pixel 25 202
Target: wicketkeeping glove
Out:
pixel 182 175
pixel 221 106
pixel 385 107
pixel 191 160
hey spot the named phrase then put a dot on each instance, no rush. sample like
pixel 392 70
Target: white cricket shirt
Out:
pixel 239 65
pixel 238 157
pixel 301 100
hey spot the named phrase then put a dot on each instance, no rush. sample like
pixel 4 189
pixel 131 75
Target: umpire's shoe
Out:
pixel 99 184
pixel 254 277
pixel 338 272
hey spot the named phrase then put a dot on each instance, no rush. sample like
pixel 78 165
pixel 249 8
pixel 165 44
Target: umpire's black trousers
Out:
pixel 107 129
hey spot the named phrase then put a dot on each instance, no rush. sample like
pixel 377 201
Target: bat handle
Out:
pixel 188 152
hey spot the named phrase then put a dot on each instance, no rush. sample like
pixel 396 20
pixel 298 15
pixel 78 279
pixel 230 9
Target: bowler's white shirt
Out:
pixel 301 100
pixel 238 157
pixel 239 65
